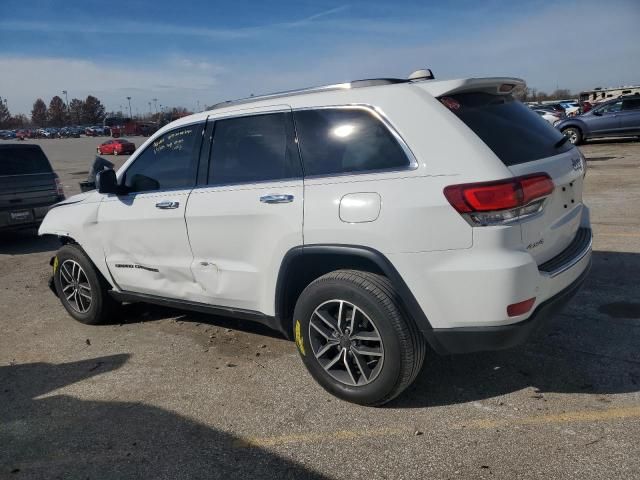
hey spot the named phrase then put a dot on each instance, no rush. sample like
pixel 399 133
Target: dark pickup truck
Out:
pixel 28 186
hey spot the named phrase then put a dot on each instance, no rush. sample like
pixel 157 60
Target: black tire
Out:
pixel 101 306
pixel 574 134
pixel 403 346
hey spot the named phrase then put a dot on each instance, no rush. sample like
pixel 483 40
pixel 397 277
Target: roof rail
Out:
pixel 418 75
pixel 338 86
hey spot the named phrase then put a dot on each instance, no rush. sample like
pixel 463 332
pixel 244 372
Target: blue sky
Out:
pixel 185 52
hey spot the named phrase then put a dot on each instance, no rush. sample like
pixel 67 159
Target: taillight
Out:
pixel 494 203
pixel 59 188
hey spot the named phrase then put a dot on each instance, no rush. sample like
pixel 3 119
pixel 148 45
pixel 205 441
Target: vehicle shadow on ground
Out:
pixel 590 348
pixel 46 434
pixel 23 242
pixel 144 312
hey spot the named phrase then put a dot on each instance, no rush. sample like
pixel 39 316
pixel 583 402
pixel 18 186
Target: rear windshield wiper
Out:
pixel 561 142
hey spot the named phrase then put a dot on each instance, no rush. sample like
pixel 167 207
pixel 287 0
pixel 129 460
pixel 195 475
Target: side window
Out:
pixel 631 104
pixel 341 140
pixel 167 163
pixel 253 149
pixel 612 107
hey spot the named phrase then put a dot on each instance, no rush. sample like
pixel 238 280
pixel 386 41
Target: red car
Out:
pixel 120 146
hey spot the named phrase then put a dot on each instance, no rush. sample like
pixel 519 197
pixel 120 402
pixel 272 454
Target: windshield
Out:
pixel 513 131
pixel 21 160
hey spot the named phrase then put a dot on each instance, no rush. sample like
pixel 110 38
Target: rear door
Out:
pixel 630 116
pixel 526 144
pixel 144 233
pixel 248 212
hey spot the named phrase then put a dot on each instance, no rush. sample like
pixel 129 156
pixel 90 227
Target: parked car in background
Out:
pixel 570 108
pixel 7 134
pixel 616 118
pixel 95 131
pixel 28 186
pixel 454 219
pixel 547 115
pixel 118 146
pixel 69 132
pixel 554 108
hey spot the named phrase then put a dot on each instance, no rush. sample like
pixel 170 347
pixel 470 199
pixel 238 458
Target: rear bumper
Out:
pixel 36 214
pixel 475 339
pixel 462 295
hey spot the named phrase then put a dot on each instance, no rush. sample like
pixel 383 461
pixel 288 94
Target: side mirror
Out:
pixel 106 181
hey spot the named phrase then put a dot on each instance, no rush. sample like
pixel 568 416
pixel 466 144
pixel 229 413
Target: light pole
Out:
pixel 198 104
pixel 150 112
pixel 129 100
pixel 155 103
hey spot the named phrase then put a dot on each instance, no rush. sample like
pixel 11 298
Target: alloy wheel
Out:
pixel 572 134
pixel 346 342
pixel 75 286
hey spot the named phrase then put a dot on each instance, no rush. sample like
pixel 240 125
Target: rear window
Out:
pixel 23 160
pixel 508 127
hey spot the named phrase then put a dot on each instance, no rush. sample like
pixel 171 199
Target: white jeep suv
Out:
pixel 365 220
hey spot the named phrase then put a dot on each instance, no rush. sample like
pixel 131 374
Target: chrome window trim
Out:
pixel 258 184
pixel 382 118
pixel 370 109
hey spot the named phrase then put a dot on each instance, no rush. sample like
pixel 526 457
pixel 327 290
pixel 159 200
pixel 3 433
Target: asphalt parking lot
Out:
pixel 164 394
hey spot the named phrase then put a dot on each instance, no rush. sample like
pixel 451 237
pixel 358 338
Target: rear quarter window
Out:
pixel 508 127
pixel 21 160
pixel 346 140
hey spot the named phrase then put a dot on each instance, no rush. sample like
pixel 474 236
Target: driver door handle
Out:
pixel 276 198
pixel 167 205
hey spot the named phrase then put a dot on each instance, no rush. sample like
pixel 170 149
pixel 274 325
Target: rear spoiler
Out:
pixel 495 85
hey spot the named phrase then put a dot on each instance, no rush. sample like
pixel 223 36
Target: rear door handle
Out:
pixel 276 198
pixel 167 205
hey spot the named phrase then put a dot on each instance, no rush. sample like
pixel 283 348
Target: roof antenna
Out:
pixel 424 74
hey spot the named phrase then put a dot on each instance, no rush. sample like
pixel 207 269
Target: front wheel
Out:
pixel 80 287
pixel 99 151
pixel 354 338
pixel 574 134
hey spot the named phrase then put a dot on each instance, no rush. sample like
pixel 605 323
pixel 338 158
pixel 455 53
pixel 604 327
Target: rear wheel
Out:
pixel 81 288
pixel 115 152
pixel 354 339
pixel 574 134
